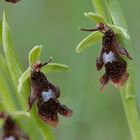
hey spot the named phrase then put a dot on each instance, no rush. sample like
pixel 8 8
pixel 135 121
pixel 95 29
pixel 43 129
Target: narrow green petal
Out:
pixel 22 79
pixel 34 54
pixel 119 30
pixel 55 67
pixel 95 17
pixel 89 40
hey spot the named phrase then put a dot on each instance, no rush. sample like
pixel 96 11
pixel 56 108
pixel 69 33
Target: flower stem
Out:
pixel 127 92
pixel 131 114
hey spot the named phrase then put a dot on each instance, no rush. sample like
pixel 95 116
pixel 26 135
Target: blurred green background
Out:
pixel 54 24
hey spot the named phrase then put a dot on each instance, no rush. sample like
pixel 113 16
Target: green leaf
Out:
pixel 119 30
pixel 3 65
pixel 10 56
pixel 7 98
pixel 13 66
pixel 116 14
pixel 89 40
pixel 34 55
pixel 0 32
pixel 55 67
pixel 99 7
pixel 22 79
pixel 5 90
pixel 95 17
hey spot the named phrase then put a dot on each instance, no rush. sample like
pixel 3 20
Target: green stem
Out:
pixel 131 114
pixel 47 134
pixel 127 92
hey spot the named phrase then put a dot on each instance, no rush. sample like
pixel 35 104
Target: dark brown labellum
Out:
pixel 49 107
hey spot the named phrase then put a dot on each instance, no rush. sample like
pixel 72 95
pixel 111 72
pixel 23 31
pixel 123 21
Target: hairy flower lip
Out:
pixel 49 110
pixel 52 123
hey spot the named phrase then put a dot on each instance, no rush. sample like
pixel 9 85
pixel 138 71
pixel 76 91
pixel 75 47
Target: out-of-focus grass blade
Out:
pixel 9 51
pixel 55 67
pixel 10 56
pixel 88 41
pixel 22 79
pixel 4 66
pixel 34 55
pixel 95 17
pixel 116 14
pixel 0 32
pixel 4 92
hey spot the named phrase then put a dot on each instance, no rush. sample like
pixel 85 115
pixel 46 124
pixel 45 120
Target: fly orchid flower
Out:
pixel 46 94
pixel 111 58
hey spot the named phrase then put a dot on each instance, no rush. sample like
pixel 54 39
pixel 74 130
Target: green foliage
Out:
pixel 34 55
pixel 95 17
pixel 25 76
pixel 55 67
pixel 119 30
pixel 10 55
pixel 89 40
